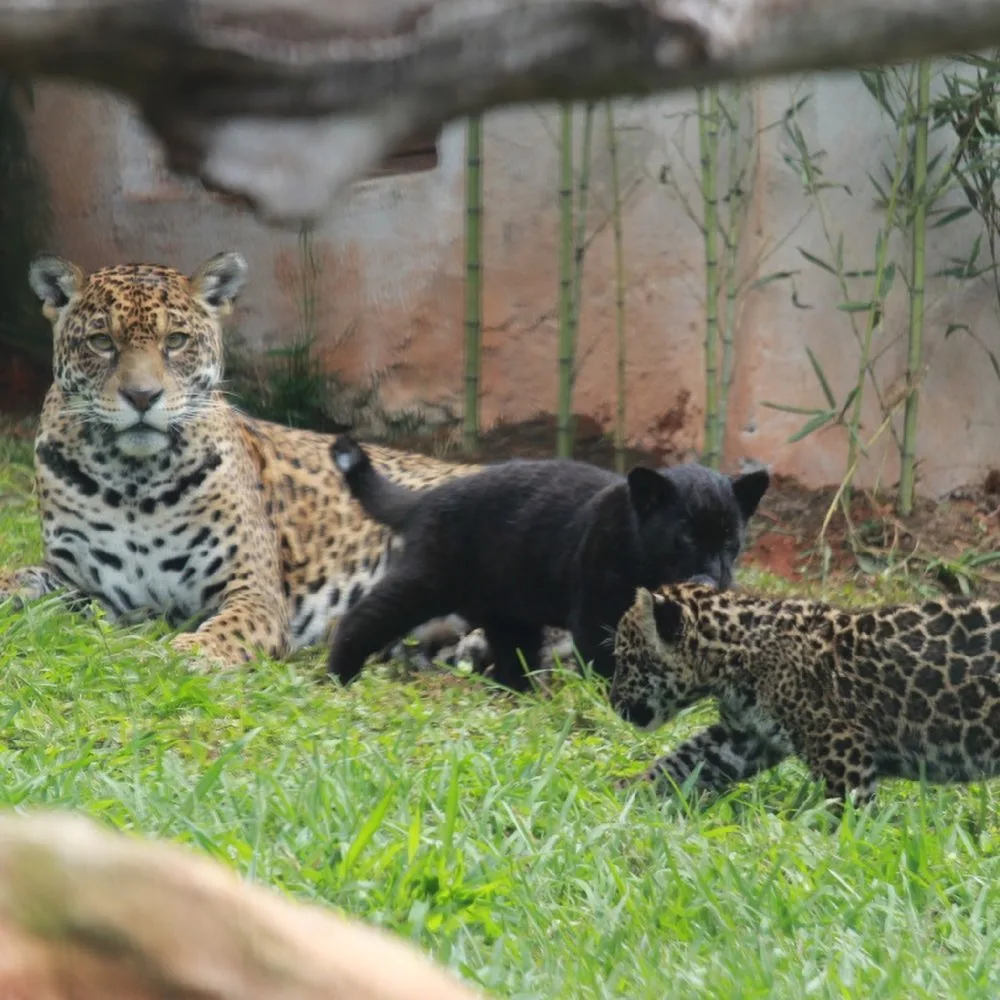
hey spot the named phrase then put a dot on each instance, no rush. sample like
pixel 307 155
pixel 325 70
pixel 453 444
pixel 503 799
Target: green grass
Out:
pixel 486 828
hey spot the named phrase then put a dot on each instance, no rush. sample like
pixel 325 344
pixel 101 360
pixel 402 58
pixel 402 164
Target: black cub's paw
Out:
pixel 343 672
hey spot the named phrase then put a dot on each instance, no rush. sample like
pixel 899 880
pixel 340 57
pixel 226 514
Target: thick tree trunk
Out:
pixel 86 914
pixel 283 101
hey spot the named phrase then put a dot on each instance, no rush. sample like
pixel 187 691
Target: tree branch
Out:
pixel 284 101
pixel 87 914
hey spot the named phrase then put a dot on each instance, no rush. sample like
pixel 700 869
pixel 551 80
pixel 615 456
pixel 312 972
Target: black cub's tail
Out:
pixel 382 499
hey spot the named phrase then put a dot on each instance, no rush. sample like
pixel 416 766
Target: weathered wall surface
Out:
pixel 391 289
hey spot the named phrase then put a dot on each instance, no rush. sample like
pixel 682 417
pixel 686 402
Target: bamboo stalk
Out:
pixel 914 360
pixel 736 205
pixel 564 425
pixel 300 361
pixel 308 261
pixel 473 281
pixel 580 242
pixel 708 133
pixel 616 222
pixel 874 317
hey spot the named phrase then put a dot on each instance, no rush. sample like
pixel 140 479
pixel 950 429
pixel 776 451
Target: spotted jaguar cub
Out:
pixel 858 694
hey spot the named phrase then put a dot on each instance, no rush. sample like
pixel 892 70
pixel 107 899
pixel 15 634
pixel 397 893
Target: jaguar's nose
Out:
pixel 141 398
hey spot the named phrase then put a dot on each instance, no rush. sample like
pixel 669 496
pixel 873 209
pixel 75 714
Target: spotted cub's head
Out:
pixel 137 348
pixel 660 668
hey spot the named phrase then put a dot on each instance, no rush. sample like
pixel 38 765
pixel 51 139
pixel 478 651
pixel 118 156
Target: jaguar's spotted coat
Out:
pixel 157 496
pixel 857 694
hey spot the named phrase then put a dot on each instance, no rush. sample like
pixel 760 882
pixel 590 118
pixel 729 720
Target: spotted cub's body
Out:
pixel 859 695
pixel 158 497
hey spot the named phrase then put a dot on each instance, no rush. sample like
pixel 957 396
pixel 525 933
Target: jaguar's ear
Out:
pixel 643 602
pixel 55 281
pixel 668 617
pixel 749 490
pixel 219 280
pixel 650 491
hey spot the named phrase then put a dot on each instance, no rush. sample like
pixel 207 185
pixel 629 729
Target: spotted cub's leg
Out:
pixel 843 759
pixel 248 622
pixel 726 754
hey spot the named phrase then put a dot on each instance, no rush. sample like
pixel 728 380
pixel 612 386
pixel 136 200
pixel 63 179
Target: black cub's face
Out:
pixel 692 521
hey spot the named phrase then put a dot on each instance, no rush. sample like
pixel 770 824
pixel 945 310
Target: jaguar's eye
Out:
pixel 101 343
pixel 176 341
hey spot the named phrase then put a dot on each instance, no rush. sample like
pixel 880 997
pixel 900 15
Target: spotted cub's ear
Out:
pixel 55 281
pixel 219 280
pixel 668 617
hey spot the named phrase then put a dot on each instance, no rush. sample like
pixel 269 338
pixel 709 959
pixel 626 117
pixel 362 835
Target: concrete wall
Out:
pixel 391 292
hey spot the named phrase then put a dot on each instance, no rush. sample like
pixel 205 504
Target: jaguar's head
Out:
pixel 137 348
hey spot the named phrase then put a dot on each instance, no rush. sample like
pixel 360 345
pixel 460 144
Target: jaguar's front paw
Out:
pixel 207 652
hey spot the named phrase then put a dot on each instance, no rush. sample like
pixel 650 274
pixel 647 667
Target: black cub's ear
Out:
pixel 649 490
pixel 749 489
pixel 668 618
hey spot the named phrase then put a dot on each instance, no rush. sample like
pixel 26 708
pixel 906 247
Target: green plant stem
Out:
pixel 564 426
pixel 874 317
pixel 310 272
pixel 814 185
pixel 302 359
pixel 580 241
pixel 616 222
pixel 708 132
pixel 736 203
pixel 473 281
pixel 914 360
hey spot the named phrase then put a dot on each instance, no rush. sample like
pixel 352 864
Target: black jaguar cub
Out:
pixel 524 544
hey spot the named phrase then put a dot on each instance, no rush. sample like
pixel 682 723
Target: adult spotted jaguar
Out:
pixel 159 497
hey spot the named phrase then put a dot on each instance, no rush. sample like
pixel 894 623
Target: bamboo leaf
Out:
pixel 849 399
pixel 953 216
pixel 813 259
pixel 786 408
pixel 855 307
pixel 824 385
pixel 796 301
pixel 888 277
pixel 774 276
pixel 811 426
